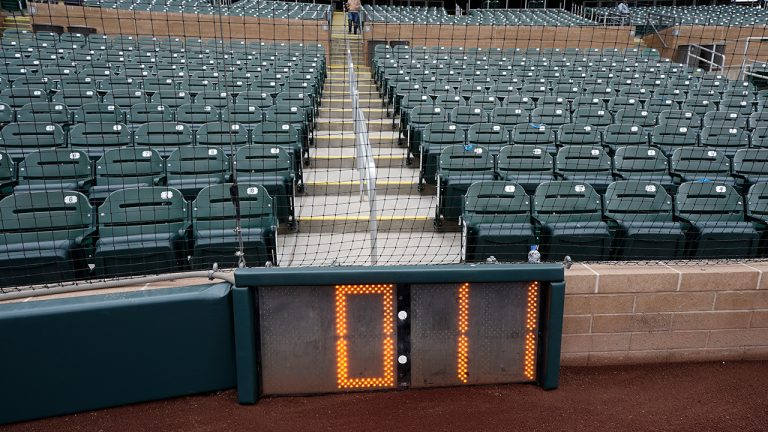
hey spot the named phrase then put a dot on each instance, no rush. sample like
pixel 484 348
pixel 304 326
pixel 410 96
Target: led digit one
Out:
pixel 388 344
pixel 463 343
pixel 531 320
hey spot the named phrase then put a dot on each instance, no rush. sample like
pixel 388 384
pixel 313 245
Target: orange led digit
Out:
pixel 388 344
pixel 463 345
pixel 529 367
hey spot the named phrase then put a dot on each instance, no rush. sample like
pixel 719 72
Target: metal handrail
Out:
pixel 711 60
pixel 366 165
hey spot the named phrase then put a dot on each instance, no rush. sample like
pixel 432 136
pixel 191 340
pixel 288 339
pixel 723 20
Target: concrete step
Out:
pixel 347 125
pixel 339 101
pixel 347 139
pixel 350 213
pixel 362 85
pixel 370 113
pixel 345 157
pixel 390 181
pixel 405 247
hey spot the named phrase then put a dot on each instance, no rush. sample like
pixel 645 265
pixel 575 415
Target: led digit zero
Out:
pixel 388 344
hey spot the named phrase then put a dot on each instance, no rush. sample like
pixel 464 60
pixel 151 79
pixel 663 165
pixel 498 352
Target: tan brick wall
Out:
pixel 621 314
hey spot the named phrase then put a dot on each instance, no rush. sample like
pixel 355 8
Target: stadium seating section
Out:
pixel 249 8
pixel 596 154
pixel 512 17
pixel 720 15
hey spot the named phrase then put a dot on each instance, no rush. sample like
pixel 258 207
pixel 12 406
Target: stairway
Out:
pixel 16 22
pixel 333 219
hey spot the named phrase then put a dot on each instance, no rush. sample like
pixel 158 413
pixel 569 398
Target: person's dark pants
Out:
pixel 354 21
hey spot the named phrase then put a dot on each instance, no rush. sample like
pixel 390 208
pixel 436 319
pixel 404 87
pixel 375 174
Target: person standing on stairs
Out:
pixel 353 8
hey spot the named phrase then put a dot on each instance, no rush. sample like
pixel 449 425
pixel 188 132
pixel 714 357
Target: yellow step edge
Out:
pixel 357 182
pixel 361 218
pixel 327 157
pixel 350 109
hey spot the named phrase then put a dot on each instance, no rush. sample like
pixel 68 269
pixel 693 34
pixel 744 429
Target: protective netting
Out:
pixel 145 137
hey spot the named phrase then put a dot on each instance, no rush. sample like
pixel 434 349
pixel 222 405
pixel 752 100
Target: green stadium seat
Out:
pixel 526 165
pixel 725 139
pixel 20 96
pixel 45 237
pixel 76 97
pixel 125 97
pixel 171 98
pixel 750 166
pixel 619 135
pixel 535 134
pixel 643 164
pixel 641 218
pixel 21 139
pixel 458 167
pixel 270 167
pixel 7 174
pixel 757 212
pixel 552 116
pixel 509 117
pixel 585 164
pixel 496 216
pixel 712 214
pixel 148 112
pixel 219 224
pixel 255 98
pixel 419 118
pixel 55 170
pixel 49 112
pixel 215 98
pixel 668 138
pixel 700 164
pixel 163 137
pixel 569 215
pixel 434 138
pixel 128 167
pixel 142 230
pixel 680 118
pixel 191 168
pixel 99 113
pixel 242 113
pixel 96 138
pixel 578 134
pixel 447 102
pixel 36 82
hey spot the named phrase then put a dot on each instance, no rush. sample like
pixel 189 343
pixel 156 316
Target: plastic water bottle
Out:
pixel 534 256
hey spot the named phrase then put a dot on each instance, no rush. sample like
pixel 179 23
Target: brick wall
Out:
pixel 619 314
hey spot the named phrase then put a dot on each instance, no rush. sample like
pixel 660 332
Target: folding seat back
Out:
pixel 18 97
pixel 37 82
pixel 44 237
pixel 618 135
pixel 191 168
pixel 489 135
pixel 20 139
pixel 242 113
pixel 570 215
pixel 596 117
pixel 725 119
pixel 622 102
pixel 534 91
pixel 642 163
pixel 171 98
pixel 466 116
pixel 550 116
pixel 699 163
pixel 750 166
pixel 586 163
pixel 740 105
pixel 99 113
pixel 216 218
pixel 509 116
pixel 497 220
pixel 419 117
pixel 522 101
pixel 640 213
pixel 757 202
pixel 141 230
pixel 714 213
pixel 76 97
pixel 126 168
pixel 680 118
pixel 668 137
pixel 154 84
pixel 196 114
pixel 485 102
pixel 448 102
pixel 728 140
pixel 434 138
pixel 95 138
pixel 638 116
pixel 125 97
pixel 149 112
pixel 46 112
pixel 552 101
pixel 528 165
pixel 567 91
pixel 459 167
pixel 163 137
pixel 54 169
pixel 657 105
pixel 271 167
pixel 541 135
pixel 215 98
pixel 223 135
pixel 578 134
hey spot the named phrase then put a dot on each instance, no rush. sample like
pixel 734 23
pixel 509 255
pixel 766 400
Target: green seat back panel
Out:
pixel 496 202
pixel 708 202
pixel 638 201
pixel 566 201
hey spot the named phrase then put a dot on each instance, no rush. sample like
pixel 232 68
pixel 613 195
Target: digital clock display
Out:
pixel 411 329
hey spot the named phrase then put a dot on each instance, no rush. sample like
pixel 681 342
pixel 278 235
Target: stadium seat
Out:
pixel 45 237
pixel 638 116
pixel 142 230
pixel 96 138
pixel 20 96
pixel 419 118
pixel 724 139
pixel 228 136
pixel 680 118
pixel 750 166
pixel 141 113
pixel 242 113
pixel 125 97
pixel 586 164
pixel 757 212
pixel 127 167
pixel 219 224
pixel 496 216
pixel 700 164
pixel 191 168
pixel 643 164
pixel 596 117
pixel 434 139
pixel 21 139
pixel 624 134
pixel 668 138
pixel 569 215
pixel 712 215
pixel 99 113
pixel 270 167
pixel 641 218
pixel 578 134
pixel 75 97
pixel 526 165
pixel 55 170
pixel 458 168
